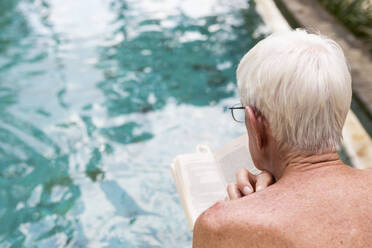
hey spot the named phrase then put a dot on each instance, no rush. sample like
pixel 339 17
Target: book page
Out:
pixel 234 156
pixel 202 184
pixel 178 181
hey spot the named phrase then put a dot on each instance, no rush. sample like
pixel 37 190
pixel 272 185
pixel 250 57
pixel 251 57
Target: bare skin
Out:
pixel 316 201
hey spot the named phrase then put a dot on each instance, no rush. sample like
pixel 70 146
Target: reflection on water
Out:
pixel 96 98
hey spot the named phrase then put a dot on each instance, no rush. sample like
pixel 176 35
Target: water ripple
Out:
pixel 96 98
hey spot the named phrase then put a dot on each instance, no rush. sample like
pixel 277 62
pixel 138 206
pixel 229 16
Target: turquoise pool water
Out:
pixel 96 98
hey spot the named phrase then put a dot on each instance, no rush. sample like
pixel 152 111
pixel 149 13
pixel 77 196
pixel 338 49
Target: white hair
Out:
pixel 301 83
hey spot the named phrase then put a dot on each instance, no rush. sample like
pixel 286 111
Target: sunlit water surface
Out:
pixel 96 98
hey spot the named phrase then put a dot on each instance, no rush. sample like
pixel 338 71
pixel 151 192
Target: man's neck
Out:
pixel 293 163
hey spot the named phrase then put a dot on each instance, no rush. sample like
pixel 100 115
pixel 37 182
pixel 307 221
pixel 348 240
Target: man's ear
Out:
pixel 256 125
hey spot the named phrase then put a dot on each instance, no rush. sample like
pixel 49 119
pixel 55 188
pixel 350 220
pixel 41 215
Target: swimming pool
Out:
pixel 96 98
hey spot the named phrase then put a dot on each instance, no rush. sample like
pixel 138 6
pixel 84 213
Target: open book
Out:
pixel 201 178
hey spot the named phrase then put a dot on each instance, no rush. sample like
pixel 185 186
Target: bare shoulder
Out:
pixel 280 215
pixel 367 174
pixel 362 179
pixel 237 224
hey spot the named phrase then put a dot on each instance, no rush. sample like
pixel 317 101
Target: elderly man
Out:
pixel 295 88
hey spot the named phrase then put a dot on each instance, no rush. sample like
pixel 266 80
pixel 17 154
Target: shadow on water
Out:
pixel 124 204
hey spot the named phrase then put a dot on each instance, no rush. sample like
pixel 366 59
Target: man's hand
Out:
pixel 247 183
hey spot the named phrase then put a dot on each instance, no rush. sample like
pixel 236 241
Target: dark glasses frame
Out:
pixel 235 107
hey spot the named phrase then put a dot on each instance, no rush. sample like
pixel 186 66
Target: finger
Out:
pixel 233 191
pixel 243 182
pixel 263 180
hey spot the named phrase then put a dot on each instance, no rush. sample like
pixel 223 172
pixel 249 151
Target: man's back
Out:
pixel 330 209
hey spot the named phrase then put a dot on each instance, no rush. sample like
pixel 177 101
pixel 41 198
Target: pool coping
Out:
pixel 357 143
pixel 313 16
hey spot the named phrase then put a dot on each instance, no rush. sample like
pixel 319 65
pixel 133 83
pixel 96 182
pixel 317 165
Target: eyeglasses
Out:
pixel 238 113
